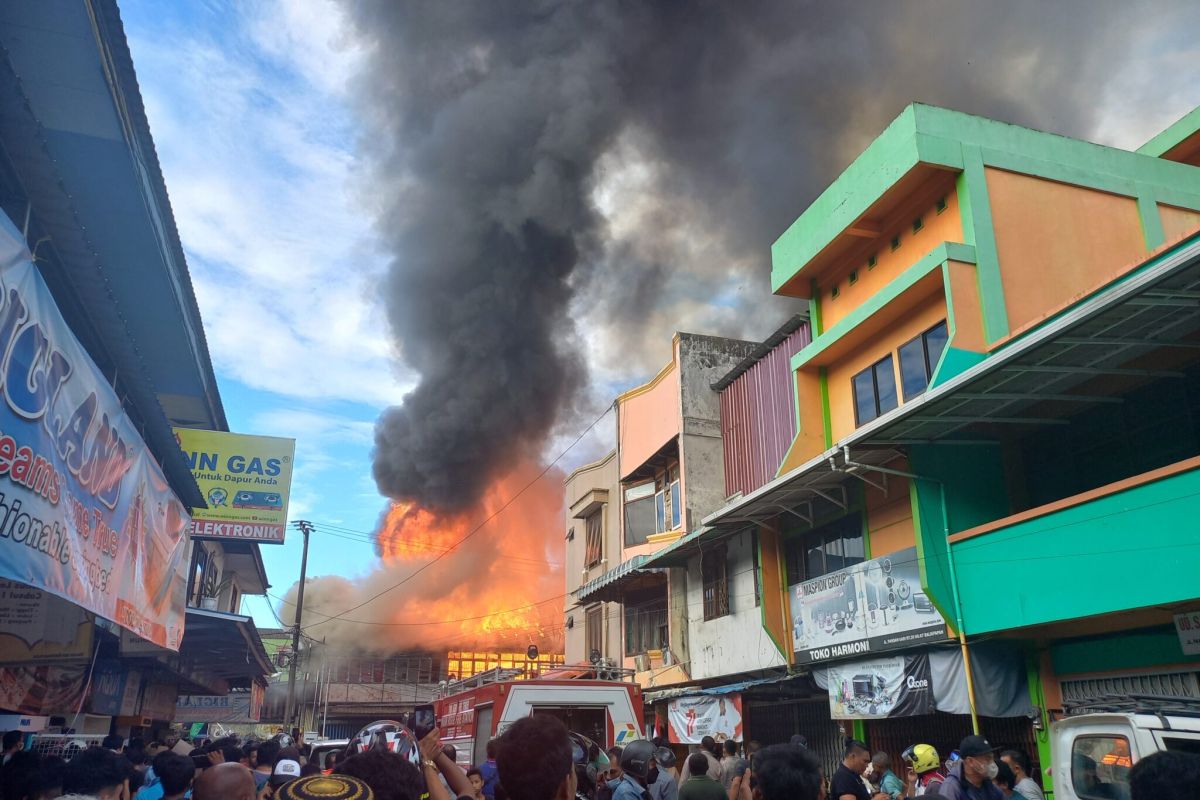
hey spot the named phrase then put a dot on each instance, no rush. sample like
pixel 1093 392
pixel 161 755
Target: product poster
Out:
pixel 693 718
pixel 245 481
pixel 871 607
pixel 85 512
pixel 895 686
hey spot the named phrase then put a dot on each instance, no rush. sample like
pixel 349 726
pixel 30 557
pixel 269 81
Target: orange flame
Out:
pixel 502 588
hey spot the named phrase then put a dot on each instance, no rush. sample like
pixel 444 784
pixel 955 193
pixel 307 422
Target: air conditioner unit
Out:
pixel 641 662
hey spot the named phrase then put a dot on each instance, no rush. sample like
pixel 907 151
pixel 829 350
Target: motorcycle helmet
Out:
pixel 923 758
pixel 665 757
pixel 584 755
pixel 284 740
pixel 636 757
pixel 387 734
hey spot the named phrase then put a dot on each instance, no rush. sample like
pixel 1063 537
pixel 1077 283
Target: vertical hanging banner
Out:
pixel 85 512
pixel 693 718
pixel 899 686
pixel 245 480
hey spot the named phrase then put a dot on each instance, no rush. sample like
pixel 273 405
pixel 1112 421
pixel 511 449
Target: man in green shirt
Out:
pixel 699 786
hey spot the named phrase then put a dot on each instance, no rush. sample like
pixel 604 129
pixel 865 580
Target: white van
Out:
pixel 1093 753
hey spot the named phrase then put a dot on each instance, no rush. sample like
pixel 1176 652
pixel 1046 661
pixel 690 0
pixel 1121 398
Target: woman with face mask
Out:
pixel 971 777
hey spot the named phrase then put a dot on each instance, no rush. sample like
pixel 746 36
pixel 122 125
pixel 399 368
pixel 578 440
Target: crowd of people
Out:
pixel 537 758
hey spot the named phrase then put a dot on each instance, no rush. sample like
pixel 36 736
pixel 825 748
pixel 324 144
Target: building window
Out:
pixel 594 631
pixel 714 571
pixel 654 506
pixel 202 576
pixel 874 390
pixel 594 526
pixel 668 511
pixel 646 627
pixel 827 549
pixel 918 359
pixel 639 513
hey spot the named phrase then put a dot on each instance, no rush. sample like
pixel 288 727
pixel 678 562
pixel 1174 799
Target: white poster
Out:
pixel 693 718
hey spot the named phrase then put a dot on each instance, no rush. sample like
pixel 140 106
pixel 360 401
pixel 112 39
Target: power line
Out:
pixel 476 529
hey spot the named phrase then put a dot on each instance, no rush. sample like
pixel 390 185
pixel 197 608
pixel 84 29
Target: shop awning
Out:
pixel 1086 355
pixel 728 688
pixel 606 587
pixel 225 645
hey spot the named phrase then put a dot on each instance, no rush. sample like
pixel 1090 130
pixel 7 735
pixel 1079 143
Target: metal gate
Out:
pixel 945 731
pixel 776 721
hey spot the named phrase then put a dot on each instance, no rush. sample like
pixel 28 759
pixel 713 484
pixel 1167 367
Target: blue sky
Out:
pixel 247 106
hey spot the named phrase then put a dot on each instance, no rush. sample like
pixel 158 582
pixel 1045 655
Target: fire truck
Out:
pixel 473 711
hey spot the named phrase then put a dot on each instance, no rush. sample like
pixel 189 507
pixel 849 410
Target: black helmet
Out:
pixel 665 757
pixel 635 758
pixel 583 753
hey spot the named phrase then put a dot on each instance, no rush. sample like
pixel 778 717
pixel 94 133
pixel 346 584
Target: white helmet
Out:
pixel 387 734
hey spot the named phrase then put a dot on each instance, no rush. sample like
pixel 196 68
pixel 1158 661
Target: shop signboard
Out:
pixel 245 481
pixel 1188 627
pixel 693 718
pixel 85 512
pixel 874 606
pixel 892 686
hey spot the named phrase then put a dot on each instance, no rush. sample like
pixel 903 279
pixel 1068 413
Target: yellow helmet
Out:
pixel 923 757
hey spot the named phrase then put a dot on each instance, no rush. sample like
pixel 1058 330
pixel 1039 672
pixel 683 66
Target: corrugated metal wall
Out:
pixel 758 417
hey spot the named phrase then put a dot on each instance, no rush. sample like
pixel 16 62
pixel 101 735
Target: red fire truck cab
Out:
pixel 608 712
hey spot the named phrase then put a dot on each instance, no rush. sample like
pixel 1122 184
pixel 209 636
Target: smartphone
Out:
pixel 423 721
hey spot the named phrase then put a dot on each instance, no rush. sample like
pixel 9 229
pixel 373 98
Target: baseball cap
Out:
pixel 285 770
pixel 975 746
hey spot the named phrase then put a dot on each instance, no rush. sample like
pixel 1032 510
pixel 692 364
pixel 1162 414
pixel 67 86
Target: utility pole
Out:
pixel 306 528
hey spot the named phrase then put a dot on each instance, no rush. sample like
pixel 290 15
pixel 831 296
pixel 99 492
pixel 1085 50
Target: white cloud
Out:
pixel 257 150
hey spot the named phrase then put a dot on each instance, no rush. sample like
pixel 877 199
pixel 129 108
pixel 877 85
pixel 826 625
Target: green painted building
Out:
pixel 1004 375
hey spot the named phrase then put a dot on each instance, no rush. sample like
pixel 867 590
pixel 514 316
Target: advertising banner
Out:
pixel 108 688
pixel 874 606
pixel 894 686
pixel 693 718
pixel 158 700
pixel 36 626
pixel 228 708
pixel 43 689
pixel 245 480
pixel 85 512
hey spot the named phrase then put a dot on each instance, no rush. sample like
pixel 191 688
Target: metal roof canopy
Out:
pixel 611 585
pixel 227 645
pixel 1036 380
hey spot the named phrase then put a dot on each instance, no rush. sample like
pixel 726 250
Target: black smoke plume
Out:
pixel 493 129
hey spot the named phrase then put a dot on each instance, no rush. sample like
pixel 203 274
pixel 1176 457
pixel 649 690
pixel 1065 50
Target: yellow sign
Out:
pixel 244 479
